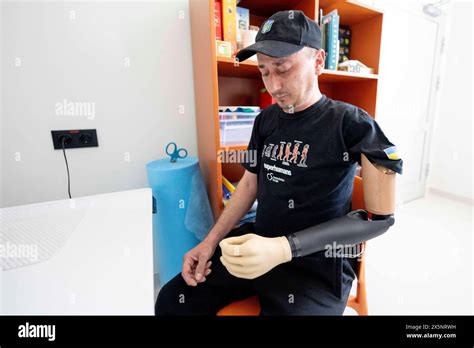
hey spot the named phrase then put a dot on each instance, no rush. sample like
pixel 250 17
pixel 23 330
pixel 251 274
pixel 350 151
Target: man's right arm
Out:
pixel 239 204
pixel 196 264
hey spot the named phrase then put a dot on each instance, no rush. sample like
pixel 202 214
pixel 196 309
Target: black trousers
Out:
pixel 310 285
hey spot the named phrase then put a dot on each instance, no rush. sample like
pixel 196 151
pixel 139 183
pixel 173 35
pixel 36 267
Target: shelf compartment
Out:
pixel 249 69
pixel 351 12
pixel 246 69
pixel 266 8
pixel 365 23
pixel 360 92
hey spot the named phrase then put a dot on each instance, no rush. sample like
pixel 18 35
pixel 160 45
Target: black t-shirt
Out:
pixel 306 163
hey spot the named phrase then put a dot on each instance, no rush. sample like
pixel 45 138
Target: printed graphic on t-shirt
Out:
pixel 286 154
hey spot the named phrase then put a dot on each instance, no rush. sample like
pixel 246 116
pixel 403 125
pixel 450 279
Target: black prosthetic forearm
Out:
pixel 353 228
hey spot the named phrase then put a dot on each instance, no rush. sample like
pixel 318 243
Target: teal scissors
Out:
pixel 175 152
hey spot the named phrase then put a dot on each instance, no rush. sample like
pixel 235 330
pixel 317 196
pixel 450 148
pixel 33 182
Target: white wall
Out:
pixel 405 88
pixel 449 139
pixel 451 159
pixel 81 56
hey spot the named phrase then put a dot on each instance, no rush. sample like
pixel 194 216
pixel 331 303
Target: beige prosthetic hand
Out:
pixel 250 256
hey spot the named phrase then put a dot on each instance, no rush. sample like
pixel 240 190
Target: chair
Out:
pixel 251 306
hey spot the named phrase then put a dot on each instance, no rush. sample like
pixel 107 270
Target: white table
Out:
pixel 103 265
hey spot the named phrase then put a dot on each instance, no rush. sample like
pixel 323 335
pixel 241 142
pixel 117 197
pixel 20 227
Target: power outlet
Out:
pixel 76 138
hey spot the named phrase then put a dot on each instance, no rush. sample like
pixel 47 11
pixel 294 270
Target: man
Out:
pixel 323 139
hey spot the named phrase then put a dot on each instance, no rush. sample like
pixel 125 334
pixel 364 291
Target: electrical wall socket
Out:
pixel 75 138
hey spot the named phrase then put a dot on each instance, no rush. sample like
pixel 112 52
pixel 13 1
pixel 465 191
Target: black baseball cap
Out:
pixel 284 33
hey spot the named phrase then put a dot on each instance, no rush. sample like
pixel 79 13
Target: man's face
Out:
pixel 291 80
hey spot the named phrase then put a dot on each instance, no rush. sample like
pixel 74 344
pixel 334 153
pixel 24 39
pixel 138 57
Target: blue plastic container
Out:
pixel 182 215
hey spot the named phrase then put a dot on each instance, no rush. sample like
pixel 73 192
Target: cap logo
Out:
pixel 267 26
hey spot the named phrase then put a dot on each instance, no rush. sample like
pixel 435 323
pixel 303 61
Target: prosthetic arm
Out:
pixel 357 226
pixel 250 255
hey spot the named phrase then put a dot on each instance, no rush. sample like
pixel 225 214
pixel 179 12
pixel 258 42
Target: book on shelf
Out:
pixel 330 32
pixel 229 22
pixel 218 19
pixel 345 43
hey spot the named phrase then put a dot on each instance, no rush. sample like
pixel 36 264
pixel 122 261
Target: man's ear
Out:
pixel 320 57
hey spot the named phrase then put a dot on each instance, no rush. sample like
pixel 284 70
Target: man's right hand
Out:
pixel 196 264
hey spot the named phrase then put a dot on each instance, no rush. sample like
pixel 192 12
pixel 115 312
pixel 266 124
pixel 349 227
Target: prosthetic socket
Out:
pixel 355 227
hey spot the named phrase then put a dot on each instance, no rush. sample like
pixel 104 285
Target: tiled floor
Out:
pixel 423 264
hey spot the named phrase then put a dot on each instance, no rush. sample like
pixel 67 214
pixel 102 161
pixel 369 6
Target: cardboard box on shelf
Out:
pixel 355 66
pixel 223 49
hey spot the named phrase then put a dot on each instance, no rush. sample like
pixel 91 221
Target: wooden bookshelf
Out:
pixel 220 81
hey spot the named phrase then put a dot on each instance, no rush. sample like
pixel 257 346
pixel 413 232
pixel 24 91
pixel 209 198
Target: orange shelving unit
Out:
pixel 219 81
